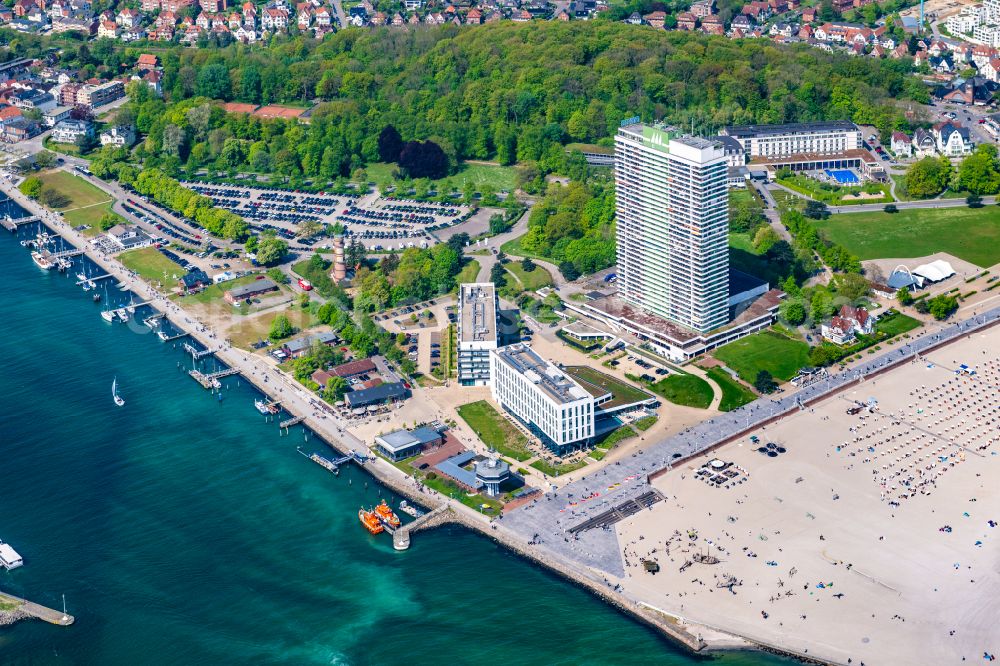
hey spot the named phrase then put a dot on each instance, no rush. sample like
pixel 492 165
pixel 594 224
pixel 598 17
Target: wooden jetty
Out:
pixel 167 338
pixel 12 223
pixel 292 421
pixel 66 253
pixel 196 353
pixel 93 279
pixel 34 610
pixel 211 381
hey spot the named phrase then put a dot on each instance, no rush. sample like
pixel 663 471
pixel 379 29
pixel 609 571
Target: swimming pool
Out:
pixel 843 176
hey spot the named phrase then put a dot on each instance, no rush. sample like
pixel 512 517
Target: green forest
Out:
pixel 505 91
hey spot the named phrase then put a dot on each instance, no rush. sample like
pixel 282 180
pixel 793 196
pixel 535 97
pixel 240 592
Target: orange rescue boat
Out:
pixel 370 520
pixel 386 514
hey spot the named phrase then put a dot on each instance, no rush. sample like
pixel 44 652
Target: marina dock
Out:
pixel 197 354
pixel 167 338
pixel 93 279
pixel 11 224
pixel 211 381
pixel 31 609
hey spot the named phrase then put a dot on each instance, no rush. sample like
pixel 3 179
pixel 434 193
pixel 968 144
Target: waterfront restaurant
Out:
pixel 403 444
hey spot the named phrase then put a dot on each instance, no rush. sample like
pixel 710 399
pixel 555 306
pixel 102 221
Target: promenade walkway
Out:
pixel 549 520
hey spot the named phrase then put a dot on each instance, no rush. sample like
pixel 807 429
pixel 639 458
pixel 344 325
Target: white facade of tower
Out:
pixel 673 225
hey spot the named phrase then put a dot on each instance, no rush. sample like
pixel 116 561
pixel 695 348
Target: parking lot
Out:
pixel 379 223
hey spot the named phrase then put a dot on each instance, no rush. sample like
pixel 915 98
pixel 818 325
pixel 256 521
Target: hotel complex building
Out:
pixel 821 138
pixel 477 332
pixel 673 225
pixel 542 397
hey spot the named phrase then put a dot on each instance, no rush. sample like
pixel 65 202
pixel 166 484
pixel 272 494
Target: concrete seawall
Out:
pixel 22 609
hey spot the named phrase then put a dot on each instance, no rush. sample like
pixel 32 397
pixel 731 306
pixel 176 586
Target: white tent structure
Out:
pixel 935 271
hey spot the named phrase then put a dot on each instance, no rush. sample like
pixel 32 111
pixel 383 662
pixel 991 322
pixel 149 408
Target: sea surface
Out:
pixel 187 530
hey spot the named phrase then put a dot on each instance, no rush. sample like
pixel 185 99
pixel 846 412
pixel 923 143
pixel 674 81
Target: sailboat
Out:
pixel 114 393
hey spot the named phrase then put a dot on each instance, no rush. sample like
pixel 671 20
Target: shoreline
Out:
pixel 676 629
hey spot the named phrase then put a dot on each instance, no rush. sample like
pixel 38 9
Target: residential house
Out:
pixel 783 29
pixel 941 64
pixel 838 330
pixel 71 131
pixel 213 6
pixel 149 5
pixel 474 17
pixel 175 6
pixel 685 20
pixel 55 115
pixel 635 18
pixel 323 17
pixel 121 136
pixel 68 92
pixel 809 15
pixel 19 129
pixel 194 281
pixel 703 8
pixel 743 22
pixel 657 19
pixel 9 114
pixel 952 139
pixel 860 319
pixel 991 70
pixel 901 145
pixel 274 18
pixel 303 15
pixel 108 29
pixel 246 35
pixel 924 144
pixel 30 99
pixel 146 62
pixel 759 10
pixel 127 18
pixel 166 20
pixel 712 25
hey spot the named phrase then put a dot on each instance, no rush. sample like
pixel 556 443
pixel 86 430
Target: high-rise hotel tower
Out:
pixel 673 225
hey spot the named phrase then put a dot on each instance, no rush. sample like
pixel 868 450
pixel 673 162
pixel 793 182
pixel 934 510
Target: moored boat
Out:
pixel 386 514
pixel 42 261
pixel 370 521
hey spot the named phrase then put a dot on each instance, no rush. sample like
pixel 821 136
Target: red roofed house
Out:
pixel 686 21
pixel 839 331
pixel 861 320
pixel 146 62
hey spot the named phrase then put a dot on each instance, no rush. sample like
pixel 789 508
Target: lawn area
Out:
pixel 967 233
pixel 788 200
pixel 80 192
pixel 598 383
pixel 251 329
pixel 896 324
pixel 495 431
pixel 686 390
pixel 779 355
pixel 468 273
pixel 531 281
pixel 548 468
pixel 742 242
pixel 734 394
pixel 150 264
pixel 514 249
pixel 501 178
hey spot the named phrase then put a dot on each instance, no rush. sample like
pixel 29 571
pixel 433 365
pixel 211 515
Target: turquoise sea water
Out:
pixel 183 530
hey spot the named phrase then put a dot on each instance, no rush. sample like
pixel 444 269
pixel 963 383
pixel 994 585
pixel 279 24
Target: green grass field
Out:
pixel 967 233
pixel 150 264
pixel 734 394
pixel 595 381
pixel 87 203
pixel 896 324
pixel 686 390
pixel 530 281
pixel 468 273
pixel 837 196
pixel 779 355
pixel 549 469
pixel 80 192
pixel 501 178
pixel 495 431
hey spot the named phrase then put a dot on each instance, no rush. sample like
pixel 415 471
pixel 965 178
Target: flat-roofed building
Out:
pixel 477 332
pixel 542 397
pixel 822 138
pixel 401 444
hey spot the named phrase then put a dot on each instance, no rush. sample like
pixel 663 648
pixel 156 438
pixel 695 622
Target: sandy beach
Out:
pixel 873 538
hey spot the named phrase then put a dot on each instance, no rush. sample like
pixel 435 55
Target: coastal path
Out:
pixel 31 609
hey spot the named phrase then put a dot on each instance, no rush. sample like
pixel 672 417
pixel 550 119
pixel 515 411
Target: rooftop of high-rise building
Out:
pixel 478 312
pixel 547 376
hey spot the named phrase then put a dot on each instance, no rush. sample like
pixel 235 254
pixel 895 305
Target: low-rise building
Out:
pixel 901 144
pixel 99 95
pixel 56 115
pixel 401 444
pixel 121 136
pixel 381 394
pixel 71 131
pixel 128 237
pixel 953 140
pixel 194 281
pixel 236 295
pixel 542 397
pixel 923 143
